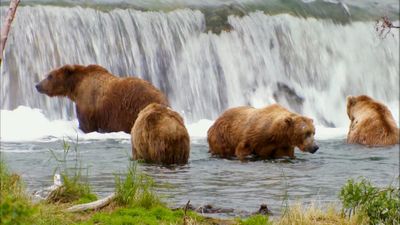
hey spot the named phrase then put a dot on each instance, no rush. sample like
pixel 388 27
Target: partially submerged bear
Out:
pixel 159 136
pixel 371 123
pixel 270 132
pixel 104 102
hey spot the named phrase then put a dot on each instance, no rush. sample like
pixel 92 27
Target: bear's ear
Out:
pixel 351 100
pixel 94 67
pixel 69 69
pixel 289 121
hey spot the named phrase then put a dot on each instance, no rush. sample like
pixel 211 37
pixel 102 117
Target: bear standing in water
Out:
pixel 159 136
pixel 270 132
pixel 371 122
pixel 104 102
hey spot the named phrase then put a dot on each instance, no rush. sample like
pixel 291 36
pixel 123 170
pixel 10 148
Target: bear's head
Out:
pixel 352 102
pixel 303 133
pixel 59 82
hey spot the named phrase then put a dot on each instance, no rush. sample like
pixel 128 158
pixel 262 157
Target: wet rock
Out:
pixel 188 206
pixel 207 208
pixel 217 18
pixel 211 209
pixel 287 97
pixel 325 122
pixel 263 210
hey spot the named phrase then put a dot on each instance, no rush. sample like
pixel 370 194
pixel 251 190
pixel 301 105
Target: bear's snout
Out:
pixel 313 149
pixel 39 88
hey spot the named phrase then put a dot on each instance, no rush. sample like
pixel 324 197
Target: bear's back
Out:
pixel 122 101
pixel 373 124
pixel 159 135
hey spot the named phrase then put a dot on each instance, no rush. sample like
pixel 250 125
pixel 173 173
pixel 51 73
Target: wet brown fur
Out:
pixel 270 132
pixel 159 136
pixel 371 123
pixel 104 102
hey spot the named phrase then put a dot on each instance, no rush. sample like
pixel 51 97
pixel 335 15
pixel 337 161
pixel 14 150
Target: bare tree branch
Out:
pixel 6 26
pixel 383 26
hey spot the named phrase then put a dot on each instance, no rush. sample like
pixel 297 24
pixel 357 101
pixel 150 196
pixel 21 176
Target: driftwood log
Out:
pixel 92 205
pixel 6 26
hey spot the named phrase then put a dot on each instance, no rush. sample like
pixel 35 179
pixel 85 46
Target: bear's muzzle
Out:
pixel 39 88
pixel 313 149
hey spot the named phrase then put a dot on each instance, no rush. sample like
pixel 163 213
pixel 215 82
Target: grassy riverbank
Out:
pixel 137 203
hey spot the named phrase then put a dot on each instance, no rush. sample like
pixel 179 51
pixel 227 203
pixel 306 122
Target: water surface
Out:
pixel 223 183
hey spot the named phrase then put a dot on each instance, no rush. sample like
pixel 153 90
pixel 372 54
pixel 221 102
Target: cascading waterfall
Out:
pixel 126 42
pixel 308 65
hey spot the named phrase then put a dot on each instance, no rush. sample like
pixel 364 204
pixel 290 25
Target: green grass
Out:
pixel 141 216
pixel 135 189
pixel 15 207
pixel 256 220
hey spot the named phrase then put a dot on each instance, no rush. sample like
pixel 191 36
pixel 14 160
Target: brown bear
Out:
pixel 159 136
pixel 270 132
pixel 371 123
pixel 104 102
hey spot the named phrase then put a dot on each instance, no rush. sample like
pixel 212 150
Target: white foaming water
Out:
pixel 327 133
pixel 199 129
pixel 26 124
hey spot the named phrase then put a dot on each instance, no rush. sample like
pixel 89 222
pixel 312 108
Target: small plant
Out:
pixel 9 183
pixel 74 188
pixel 136 189
pixel 381 205
pixel 256 220
pixel 285 199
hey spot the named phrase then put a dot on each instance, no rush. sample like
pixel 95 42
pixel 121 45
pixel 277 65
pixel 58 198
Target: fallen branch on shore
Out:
pixel 92 205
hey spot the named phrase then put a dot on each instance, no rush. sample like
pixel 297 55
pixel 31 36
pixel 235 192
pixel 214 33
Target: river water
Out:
pixel 206 57
pixel 223 183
